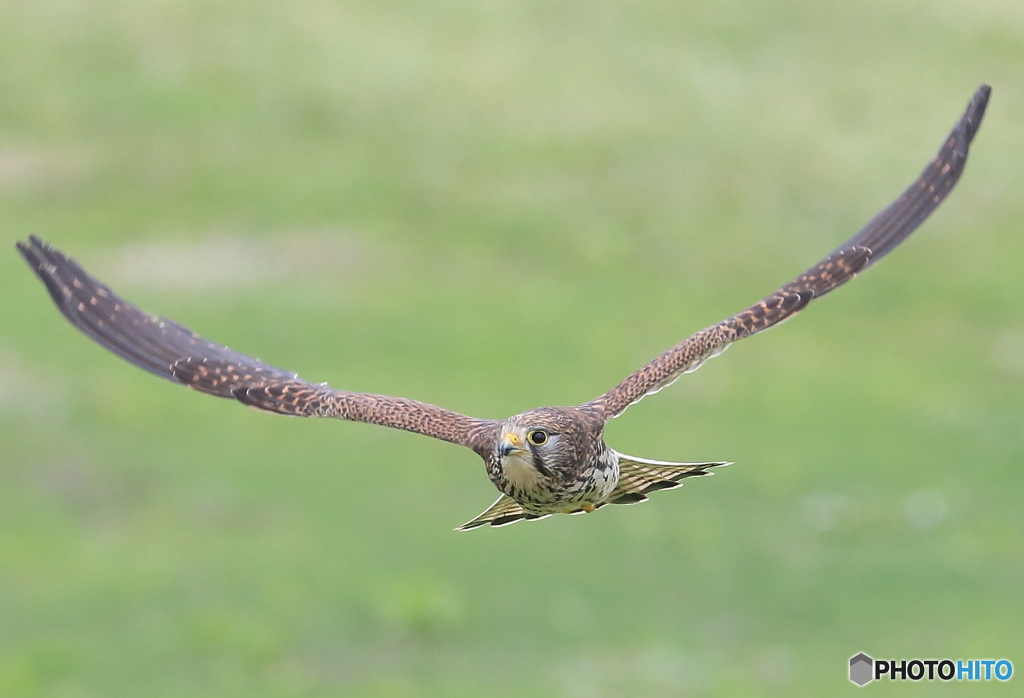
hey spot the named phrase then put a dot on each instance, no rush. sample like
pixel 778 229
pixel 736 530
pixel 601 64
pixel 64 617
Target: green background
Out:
pixel 494 205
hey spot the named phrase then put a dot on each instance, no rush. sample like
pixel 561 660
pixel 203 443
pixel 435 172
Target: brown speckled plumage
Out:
pixel 875 240
pixel 544 461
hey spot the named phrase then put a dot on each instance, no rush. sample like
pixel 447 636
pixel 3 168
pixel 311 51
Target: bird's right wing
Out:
pixel 885 231
pixel 176 353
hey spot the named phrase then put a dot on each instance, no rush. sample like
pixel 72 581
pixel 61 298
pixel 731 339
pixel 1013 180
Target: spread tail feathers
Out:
pixel 503 512
pixel 638 477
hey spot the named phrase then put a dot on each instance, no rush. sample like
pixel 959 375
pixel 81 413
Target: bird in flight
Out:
pixel 546 460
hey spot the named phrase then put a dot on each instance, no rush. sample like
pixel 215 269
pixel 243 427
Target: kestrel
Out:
pixel 546 460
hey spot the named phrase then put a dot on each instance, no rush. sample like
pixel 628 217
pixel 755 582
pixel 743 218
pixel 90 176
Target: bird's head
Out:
pixel 549 441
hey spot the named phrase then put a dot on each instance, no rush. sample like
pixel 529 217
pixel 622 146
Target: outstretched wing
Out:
pixel 171 351
pixel 887 230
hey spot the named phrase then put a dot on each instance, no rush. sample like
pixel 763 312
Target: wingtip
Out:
pixel 35 257
pixel 34 242
pixel 35 251
pixel 975 112
pixel 27 249
pixel 980 99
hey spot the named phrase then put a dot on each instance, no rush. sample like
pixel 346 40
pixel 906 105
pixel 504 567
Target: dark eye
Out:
pixel 538 437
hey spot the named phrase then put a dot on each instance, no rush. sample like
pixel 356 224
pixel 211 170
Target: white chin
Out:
pixel 520 472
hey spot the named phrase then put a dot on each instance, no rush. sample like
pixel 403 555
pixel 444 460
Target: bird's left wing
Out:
pixel 885 231
pixel 176 353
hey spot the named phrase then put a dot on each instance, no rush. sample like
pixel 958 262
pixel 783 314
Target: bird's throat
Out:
pixel 521 473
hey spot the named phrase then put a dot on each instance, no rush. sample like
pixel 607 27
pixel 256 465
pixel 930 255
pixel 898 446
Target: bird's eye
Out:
pixel 538 437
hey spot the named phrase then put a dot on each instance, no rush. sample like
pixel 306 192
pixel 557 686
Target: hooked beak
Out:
pixel 511 443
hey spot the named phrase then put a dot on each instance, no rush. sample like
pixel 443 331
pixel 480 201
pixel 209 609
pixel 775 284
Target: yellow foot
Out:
pixel 587 508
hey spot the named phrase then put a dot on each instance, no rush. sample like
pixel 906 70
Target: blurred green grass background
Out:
pixel 493 206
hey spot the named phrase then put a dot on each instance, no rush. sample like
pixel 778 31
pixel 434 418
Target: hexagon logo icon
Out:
pixel 861 669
